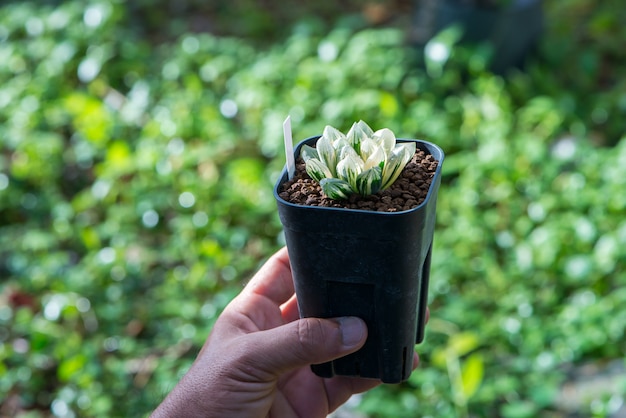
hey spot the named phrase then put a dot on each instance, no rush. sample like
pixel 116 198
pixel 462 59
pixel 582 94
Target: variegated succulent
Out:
pixel 363 161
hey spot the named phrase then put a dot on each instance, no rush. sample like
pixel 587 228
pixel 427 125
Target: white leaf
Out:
pixel 332 134
pixel 357 133
pixel 396 162
pixel 349 168
pixel 365 128
pixel 408 149
pixel 307 152
pixel 348 151
pixel 340 143
pixel 375 160
pixel 385 138
pixel 368 147
pixel 327 153
pixel 317 169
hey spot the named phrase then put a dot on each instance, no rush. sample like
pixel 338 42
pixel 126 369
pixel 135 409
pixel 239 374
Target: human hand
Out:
pixel 256 360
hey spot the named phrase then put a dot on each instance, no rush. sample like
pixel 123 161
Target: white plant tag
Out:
pixel 291 164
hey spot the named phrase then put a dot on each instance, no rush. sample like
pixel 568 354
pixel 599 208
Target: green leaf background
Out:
pixel 139 147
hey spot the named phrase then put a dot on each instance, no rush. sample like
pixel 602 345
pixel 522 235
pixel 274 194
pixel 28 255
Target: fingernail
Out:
pixel 353 331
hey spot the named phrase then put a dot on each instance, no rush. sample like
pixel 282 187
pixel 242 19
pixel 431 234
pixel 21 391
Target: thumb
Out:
pixel 308 341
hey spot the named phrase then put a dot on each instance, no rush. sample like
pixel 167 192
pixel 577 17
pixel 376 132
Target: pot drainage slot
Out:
pixel 404 361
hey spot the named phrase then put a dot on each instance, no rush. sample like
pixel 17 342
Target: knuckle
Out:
pixel 309 331
pixel 313 334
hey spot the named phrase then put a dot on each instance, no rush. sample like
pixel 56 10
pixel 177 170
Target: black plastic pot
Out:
pixel 373 265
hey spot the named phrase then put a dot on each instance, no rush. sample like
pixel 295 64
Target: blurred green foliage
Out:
pixel 137 158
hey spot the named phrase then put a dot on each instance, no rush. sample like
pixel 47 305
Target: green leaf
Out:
pixel 459 345
pixel 118 158
pixel 349 168
pixel 317 169
pixel 519 409
pixel 70 366
pixel 369 181
pixel 388 104
pixel 462 343
pixel 307 152
pixel 336 189
pixel 472 373
pixel 90 237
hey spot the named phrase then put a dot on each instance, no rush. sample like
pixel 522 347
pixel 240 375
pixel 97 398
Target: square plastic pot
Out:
pixel 373 265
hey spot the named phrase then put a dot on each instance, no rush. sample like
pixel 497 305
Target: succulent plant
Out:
pixel 362 161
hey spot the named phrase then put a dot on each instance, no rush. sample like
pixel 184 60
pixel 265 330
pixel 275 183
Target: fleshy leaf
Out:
pixel 340 143
pixel 385 138
pixel 368 147
pixel 364 160
pixel 357 133
pixel 409 149
pixel 307 152
pixel 336 189
pixel 369 181
pixel 317 170
pixel 365 128
pixel 327 153
pixel 396 162
pixel 348 151
pixel 349 168
pixel 377 159
pixel 332 134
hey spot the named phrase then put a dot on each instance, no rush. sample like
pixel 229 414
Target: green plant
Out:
pixel 363 161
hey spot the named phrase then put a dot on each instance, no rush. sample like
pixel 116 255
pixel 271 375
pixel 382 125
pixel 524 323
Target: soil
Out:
pixel 407 192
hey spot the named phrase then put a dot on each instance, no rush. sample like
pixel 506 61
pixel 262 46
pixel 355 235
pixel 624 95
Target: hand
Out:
pixel 256 360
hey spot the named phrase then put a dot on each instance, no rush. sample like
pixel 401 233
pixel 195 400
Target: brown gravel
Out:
pixel 407 192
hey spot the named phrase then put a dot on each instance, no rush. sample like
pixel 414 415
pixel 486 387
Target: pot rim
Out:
pixel 425 147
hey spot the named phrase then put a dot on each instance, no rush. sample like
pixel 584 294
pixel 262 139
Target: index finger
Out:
pixel 274 279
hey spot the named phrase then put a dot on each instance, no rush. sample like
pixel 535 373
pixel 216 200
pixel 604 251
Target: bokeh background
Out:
pixel 140 140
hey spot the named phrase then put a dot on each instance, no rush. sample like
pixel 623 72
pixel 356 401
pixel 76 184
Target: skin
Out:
pixel 255 362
